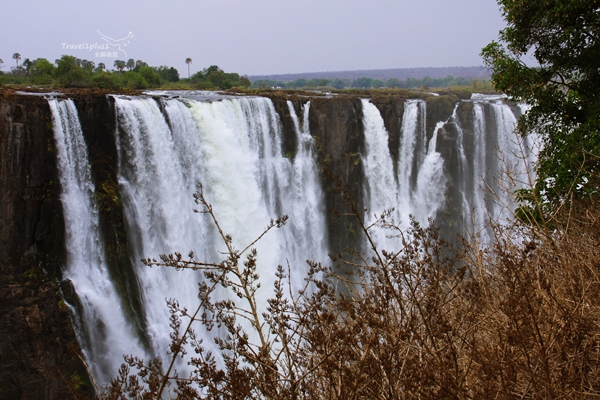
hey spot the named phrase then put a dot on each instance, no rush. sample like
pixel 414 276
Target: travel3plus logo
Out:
pixel 117 44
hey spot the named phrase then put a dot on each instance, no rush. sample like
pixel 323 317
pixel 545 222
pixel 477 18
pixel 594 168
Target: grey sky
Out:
pixel 257 36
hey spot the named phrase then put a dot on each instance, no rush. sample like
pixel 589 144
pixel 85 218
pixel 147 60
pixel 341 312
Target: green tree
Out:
pixel 41 71
pixel 101 67
pixel 563 37
pixel 16 57
pixel 245 82
pixel 120 65
pixel 130 64
pixel 139 64
pixel 338 84
pixel 69 73
pixel 377 83
pixel 168 74
pixel 43 67
pixel 393 83
pixel 87 65
pixel 313 83
pixel 298 83
pixel 150 76
pixel 362 83
pixel 27 64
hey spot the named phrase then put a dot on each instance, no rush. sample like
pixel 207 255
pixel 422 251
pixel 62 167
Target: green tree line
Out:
pixel 364 83
pixel 69 71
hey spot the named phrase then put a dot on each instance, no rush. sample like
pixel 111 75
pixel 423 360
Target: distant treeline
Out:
pixel 69 71
pixel 364 83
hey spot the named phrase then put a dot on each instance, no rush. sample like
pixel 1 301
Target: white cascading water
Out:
pixel 430 192
pixel 157 208
pixel 481 184
pixel 423 196
pixel 512 157
pixel 233 147
pixel 502 162
pixel 309 232
pixel 420 185
pixel 381 192
pixel 406 155
pixel 464 179
pixel 106 334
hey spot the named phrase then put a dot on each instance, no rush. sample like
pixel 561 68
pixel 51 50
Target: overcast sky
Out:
pixel 254 37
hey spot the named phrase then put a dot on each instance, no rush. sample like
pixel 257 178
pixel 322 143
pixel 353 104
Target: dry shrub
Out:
pixel 518 319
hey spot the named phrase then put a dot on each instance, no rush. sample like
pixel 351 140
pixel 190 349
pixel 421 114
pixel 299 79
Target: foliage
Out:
pixel 69 71
pixel 427 321
pixel 214 77
pixel 368 83
pixel 168 74
pixel 561 89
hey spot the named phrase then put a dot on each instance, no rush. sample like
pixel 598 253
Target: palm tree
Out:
pixel 1 62
pixel 119 64
pixel 188 61
pixel 130 64
pixel 17 57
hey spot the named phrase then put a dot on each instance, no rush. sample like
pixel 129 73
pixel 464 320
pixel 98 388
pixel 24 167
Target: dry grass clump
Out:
pixel 519 319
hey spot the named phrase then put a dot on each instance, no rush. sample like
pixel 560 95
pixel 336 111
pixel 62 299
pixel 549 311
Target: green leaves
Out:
pixel 547 57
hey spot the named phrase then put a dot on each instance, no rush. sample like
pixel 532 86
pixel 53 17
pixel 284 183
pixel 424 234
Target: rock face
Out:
pixel 39 355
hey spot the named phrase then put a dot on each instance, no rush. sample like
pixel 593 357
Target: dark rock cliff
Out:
pixel 39 356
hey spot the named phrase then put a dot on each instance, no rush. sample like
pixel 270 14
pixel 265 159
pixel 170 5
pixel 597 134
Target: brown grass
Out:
pixel 518 319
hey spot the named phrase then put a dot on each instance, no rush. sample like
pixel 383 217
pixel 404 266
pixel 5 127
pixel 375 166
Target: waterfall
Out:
pixel 233 146
pixel 420 185
pixel 106 334
pixel 431 182
pixel 407 153
pixel 502 162
pixel 309 232
pixel 381 192
pixel 481 185
pixel 158 210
